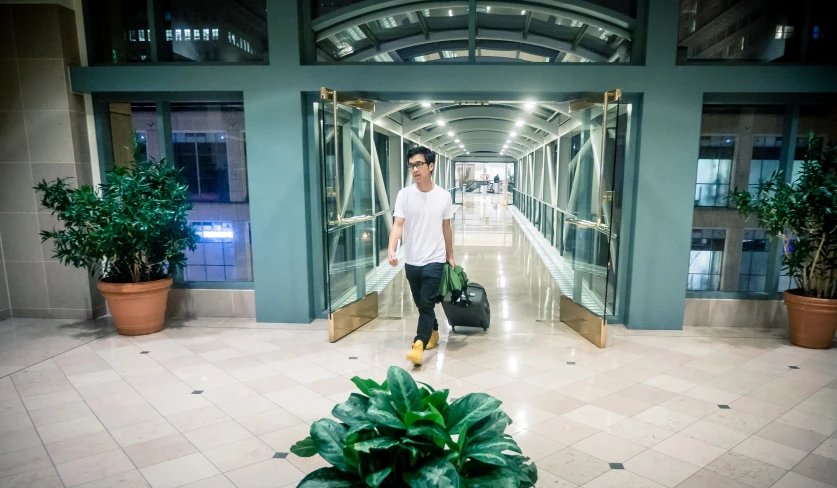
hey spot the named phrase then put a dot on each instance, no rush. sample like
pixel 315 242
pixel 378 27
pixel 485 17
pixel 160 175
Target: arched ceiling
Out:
pixel 508 128
pixel 550 31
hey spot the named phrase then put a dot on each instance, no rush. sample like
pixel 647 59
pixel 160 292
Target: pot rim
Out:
pixel 794 296
pixel 127 288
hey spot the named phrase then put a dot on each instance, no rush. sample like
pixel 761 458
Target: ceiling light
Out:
pixel 457 141
pixel 450 133
pixel 529 106
pixel 425 104
pixel 466 152
pixel 441 122
pixel 513 134
pixel 462 146
pixel 508 140
pixel 505 146
pixel 450 13
pixel 522 12
pixel 519 122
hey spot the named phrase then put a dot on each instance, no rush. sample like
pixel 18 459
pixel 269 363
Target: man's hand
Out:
pixel 451 263
pixel 393 259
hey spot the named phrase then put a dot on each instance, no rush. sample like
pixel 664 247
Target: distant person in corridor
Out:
pixel 422 217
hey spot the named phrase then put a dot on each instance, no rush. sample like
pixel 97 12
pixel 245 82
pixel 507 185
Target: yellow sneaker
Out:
pixel 414 356
pixel 434 340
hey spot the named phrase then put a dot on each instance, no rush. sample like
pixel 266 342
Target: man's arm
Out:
pixel 448 242
pixel 394 237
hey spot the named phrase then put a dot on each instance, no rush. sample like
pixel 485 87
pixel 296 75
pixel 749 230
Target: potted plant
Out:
pixel 132 234
pixel 803 213
pixel 399 435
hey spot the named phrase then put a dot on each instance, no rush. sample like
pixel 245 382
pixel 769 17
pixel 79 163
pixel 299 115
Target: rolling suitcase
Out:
pixel 471 309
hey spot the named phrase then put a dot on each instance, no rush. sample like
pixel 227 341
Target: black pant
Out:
pixel 424 285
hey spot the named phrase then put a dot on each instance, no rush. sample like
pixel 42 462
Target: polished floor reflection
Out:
pixel 218 402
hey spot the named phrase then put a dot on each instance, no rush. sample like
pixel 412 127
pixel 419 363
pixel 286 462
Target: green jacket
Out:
pixel 453 280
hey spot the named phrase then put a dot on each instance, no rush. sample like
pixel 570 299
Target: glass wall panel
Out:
pixel 208 144
pixel 118 31
pixel 705 259
pixel 207 31
pixel 754 260
pixel 126 119
pixel 767 31
pixel 512 31
pixel 203 31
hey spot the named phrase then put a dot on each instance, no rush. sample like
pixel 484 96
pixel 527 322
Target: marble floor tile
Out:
pixel 714 434
pixel 94 467
pixel 535 445
pixel 689 450
pixel 608 448
pixel 564 430
pixel 272 473
pixel 818 468
pixel 143 432
pixel 665 418
pixel 789 435
pixel 217 435
pixel 622 405
pixel 159 450
pixel 708 479
pixel 793 480
pixel 746 470
pixel 179 471
pixel 620 478
pixel 45 477
pixel 595 417
pixel 660 468
pixel 574 466
pixel 780 455
pixel 239 454
pixel 80 447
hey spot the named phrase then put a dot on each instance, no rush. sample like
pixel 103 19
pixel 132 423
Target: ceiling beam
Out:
pixel 423 23
pixel 527 23
pixel 489 112
pixel 580 36
pixel 369 35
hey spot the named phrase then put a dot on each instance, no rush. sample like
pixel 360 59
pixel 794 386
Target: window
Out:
pixel 187 34
pixel 784 31
pixel 178 35
pixel 132 35
pixel 754 256
pixel 767 151
pixel 142 36
pixel 168 35
pixel 203 158
pixel 705 259
pixel 197 34
pixel 209 144
pixel 214 34
pixel 816 34
pixel 714 169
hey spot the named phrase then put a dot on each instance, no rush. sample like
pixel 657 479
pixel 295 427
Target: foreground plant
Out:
pixel 398 434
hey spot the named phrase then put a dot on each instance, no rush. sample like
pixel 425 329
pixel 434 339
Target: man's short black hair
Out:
pixel 429 156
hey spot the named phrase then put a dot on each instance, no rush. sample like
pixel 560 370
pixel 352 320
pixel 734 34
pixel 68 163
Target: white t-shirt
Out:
pixel 423 214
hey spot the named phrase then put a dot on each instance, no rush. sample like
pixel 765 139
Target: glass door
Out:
pixel 353 210
pixel 588 224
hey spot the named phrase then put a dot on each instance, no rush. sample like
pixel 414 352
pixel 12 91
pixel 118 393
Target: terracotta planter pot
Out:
pixel 813 321
pixel 137 308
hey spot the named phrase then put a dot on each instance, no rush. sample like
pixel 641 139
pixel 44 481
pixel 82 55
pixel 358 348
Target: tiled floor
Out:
pixel 214 403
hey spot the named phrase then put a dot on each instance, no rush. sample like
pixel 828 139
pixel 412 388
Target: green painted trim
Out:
pixel 732 295
pixel 214 285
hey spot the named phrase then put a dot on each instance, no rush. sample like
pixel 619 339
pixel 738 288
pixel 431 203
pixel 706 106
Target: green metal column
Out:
pixel 665 186
pixel 664 207
pixel 278 177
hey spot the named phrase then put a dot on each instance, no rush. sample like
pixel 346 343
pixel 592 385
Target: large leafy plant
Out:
pixel 803 213
pixel 399 434
pixel 133 230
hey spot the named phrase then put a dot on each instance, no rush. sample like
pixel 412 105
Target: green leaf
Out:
pixel 491 426
pixel 497 445
pixel 375 479
pixel 463 436
pixel 439 399
pixel 366 386
pixel 353 410
pixel 435 432
pixel 429 416
pixel 305 448
pixel 330 438
pixel 430 388
pixel 437 474
pixel 329 478
pixel 378 443
pixel 470 409
pixel 405 394
pixel 383 413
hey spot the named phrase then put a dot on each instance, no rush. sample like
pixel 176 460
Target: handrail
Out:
pixel 346 223
pixel 571 218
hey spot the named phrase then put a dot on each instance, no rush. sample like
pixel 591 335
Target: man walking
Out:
pixel 422 217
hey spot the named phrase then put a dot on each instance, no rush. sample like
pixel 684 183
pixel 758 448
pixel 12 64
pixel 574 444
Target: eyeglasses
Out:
pixel 416 166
